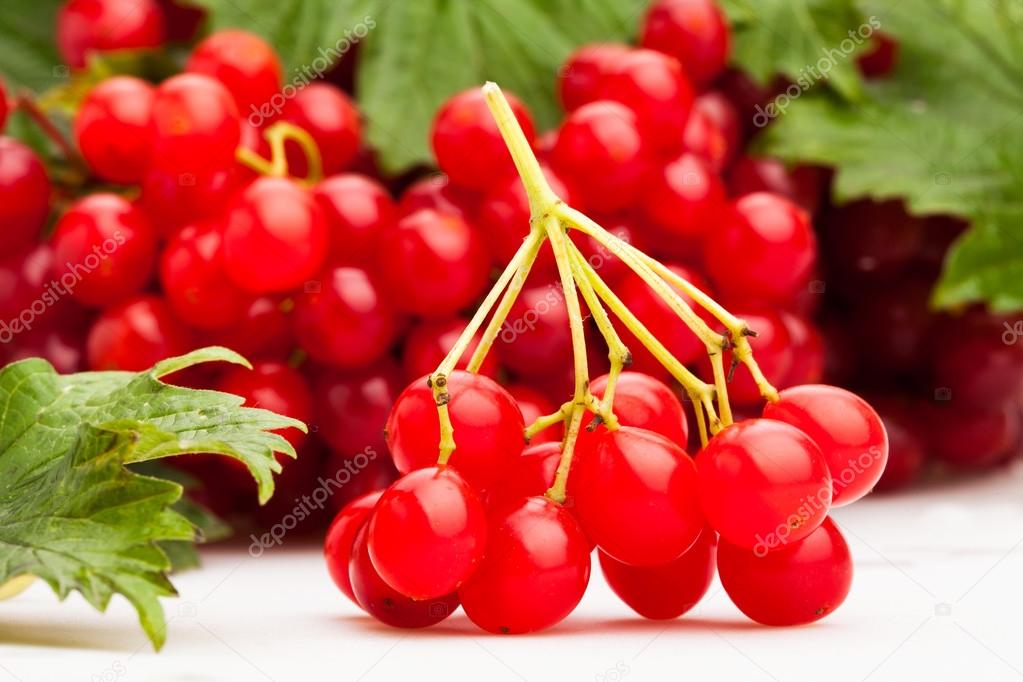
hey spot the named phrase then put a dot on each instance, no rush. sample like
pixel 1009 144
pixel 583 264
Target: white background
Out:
pixel 937 595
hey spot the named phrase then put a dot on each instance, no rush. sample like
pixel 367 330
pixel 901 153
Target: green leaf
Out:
pixel 414 55
pixel 943 131
pixel 72 512
pixel 28 49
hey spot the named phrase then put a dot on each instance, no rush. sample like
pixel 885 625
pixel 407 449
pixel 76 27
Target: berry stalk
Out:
pixel 277 136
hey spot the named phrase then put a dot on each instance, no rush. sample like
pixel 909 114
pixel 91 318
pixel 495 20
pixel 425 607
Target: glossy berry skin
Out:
pixel 247 66
pixel 636 496
pixel 772 348
pixel 467 142
pixel 797 584
pixel 276 237
pixel 428 533
pixel 343 319
pixel 196 124
pixel 803 185
pixel 601 150
pixel 195 280
pixel 536 569
pixel 644 402
pixel 386 604
pixel 262 333
pixel 440 194
pixel 85 26
pixel 686 198
pixel 107 245
pixel 352 407
pixel 174 198
pixel 693 31
pixel 767 249
pixel 330 117
pixel 654 86
pixel 485 417
pixel 358 209
pixel 272 386
pixel 534 405
pixel 713 131
pixel 763 484
pixel 536 337
pixel 907 446
pixel 669 590
pixel 848 430
pixel 24 195
pixel 431 264
pixel 337 547
pixel 808 353
pixel 581 78
pixel 429 342
pixel 135 335
pixel 532 475
pixel 24 275
pixel 114 128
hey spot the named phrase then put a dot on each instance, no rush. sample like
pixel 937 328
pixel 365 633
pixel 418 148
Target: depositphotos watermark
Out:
pixel 58 288
pixel 812 74
pixel 307 505
pixel 307 73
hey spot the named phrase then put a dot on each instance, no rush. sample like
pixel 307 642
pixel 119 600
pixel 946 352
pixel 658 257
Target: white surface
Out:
pixel 937 595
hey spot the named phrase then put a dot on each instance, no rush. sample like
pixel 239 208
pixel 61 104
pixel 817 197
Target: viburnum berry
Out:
pixel 532 475
pixel 767 250
pixel 668 590
pixel 195 280
pixel 196 125
pixel 973 436
pixel 343 319
pixel 796 584
pixel 605 261
pixel 182 20
pixel 535 572
pixel 24 276
pixel 174 198
pixel 432 264
pixel 352 407
pixel 467 142
pixel 534 405
pixel 686 199
pixel 880 58
pixel 803 185
pixel 247 66
pixel 808 352
pixel 440 194
pixel 358 210
pixel 56 339
pixel 907 444
pixel 386 604
pixel 262 333
pixel 535 338
pixel 772 348
pixel 636 496
pixel 114 128
pixel 135 335
pixel 276 237
pixel 429 342
pixel 581 78
pixel 85 26
pixel 330 117
pixel 485 417
pixel 693 31
pixel 848 431
pixel 337 548
pixel 601 150
pixel 713 131
pixel 976 366
pixel 428 533
pixel 763 484
pixel 24 195
pixel 644 402
pixel 107 246
pixel 272 386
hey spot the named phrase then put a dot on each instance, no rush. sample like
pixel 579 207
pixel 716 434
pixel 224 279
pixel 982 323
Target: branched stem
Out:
pixel 277 136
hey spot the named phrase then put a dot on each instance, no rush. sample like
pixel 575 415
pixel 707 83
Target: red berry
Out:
pixel 247 66
pixel 85 26
pixel 975 436
pixel 535 572
pixel 195 281
pixel 432 264
pixel 906 447
pixel 114 128
pixel 797 584
pixel 437 192
pixel 686 199
pixel 766 250
pixel 358 210
pixel 276 237
pixel 337 548
pixel 534 405
pixel 428 533
pixel 977 367
pixel 880 58
pixel 386 604
pixel 532 475
pixel 352 408
pixel 772 349
pixel 182 20
pixel 24 195
pixel 262 333
pixel 602 259
pixel 55 338
pixel 693 31
pixel 135 335
pixel 429 342
pixel 807 352
pixel 581 78
pixel 343 320
pixel 175 198
pixel 24 276
pixel 485 418
pixel 272 386
pixel 467 142
pixel 803 185
pixel 370 470
pixel 668 590
pixel 107 245
pixel 196 123
pixel 330 117
pixel 636 496
pixel 713 131
pixel 764 484
pixel 646 403
pixel 848 430
pixel 536 338
pixel 601 150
